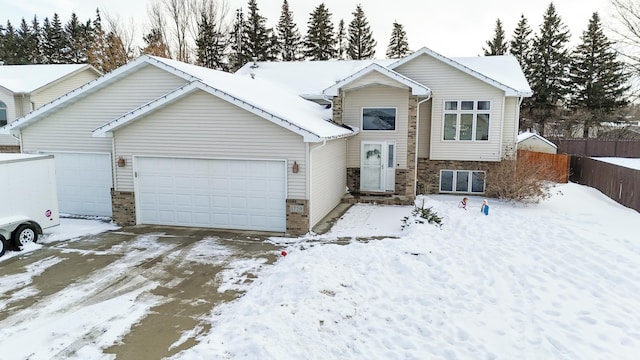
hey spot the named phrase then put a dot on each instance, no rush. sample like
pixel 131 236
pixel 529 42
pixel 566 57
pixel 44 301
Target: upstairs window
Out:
pixel 466 120
pixel 3 114
pixel 377 119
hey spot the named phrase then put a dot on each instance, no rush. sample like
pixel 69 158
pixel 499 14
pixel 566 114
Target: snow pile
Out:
pixel 556 280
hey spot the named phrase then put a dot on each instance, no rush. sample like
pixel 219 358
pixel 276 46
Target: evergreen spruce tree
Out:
pixel 10 45
pixel 398 45
pixel 238 55
pixel 319 44
pixel 35 56
pixel 210 44
pixel 256 35
pixel 289 38
pixel 156 45
pixel 549 70
pixel 598 78
pixel 55 45
pixel 75 33
pixel 520 44
pixel 27 46
pixel 498 44
pixel 342 42
pixel 361 43
pixel 2 53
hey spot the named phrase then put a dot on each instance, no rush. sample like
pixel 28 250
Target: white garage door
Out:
pixel 225 194
pixel 84 183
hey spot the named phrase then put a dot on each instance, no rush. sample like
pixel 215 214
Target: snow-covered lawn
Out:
pixel 557 280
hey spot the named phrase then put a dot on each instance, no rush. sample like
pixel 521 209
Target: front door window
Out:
pixel 372 166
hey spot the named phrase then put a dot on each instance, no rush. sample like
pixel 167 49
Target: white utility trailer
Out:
pixel 28 198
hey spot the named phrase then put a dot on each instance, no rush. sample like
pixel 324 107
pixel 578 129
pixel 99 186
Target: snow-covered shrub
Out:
pixel 419 215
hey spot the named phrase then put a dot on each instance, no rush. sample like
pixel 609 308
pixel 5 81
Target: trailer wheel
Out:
pixel 25 234
pixel 3 245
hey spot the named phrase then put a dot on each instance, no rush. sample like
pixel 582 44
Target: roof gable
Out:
pixel 25 79
pixel 89 88
pixel 528 135
pixel 416 88
pixel 502 72
pixel 307 122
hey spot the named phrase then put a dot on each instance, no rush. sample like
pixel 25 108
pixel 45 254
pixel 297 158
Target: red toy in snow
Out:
pixel 284 253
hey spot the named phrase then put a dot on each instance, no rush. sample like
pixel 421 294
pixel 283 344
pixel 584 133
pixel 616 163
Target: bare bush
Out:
pixel 524 180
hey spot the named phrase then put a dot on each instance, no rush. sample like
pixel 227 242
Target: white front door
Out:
pixel 377 169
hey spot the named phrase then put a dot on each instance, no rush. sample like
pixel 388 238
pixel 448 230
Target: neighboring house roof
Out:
pixel 20 79
pixel 416 88
pixel 527 135
pixel 310 78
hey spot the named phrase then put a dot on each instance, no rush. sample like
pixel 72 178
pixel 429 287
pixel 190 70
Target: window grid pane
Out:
pixel 451 105
pixel 450 126
pixel 466 126
pixel 477 182
pixel 482 127
pixel 484 105
pixel 467 105
pixel 462 181
pixel 446 180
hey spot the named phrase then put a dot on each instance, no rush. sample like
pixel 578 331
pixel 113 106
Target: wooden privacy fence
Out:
pixel 620 183
pixel 598 147
pixel 556 166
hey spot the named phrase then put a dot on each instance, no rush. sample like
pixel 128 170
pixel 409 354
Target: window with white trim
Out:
pixel 376 119
pixel 466 120
pixel 462 181
pixel 3 114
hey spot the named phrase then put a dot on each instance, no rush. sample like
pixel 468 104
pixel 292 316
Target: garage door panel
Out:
pixel 84 183
pixel 234 194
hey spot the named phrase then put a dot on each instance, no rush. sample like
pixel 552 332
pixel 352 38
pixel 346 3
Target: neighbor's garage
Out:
pixel 84 183
pixel 216 193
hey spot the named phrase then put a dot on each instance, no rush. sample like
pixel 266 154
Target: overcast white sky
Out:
pixel 452 28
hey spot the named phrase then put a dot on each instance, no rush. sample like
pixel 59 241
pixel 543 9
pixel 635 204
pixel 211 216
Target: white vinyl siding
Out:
pixel 328 178
pixel 511 125
pixel 69 128
pixel 374 77
pixel 424 129
pixel 376 96
pixel 52 91
pixel 204 126
pixel 449 83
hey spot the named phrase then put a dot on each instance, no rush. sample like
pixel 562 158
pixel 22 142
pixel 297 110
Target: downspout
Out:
pixel 415 163
pixel 310 171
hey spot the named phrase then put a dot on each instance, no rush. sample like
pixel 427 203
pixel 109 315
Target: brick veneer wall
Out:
pixel 337 109
pixel 411 147
pixel 297 221
pixel 9 148
pixel 429 172
pixel 123 204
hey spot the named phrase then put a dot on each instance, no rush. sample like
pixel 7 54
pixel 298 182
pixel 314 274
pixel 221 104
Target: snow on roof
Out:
pixel 12 157
pixel 504 69
pixel 526 135
pixel 271 101
pixel 416 87
pixel 632 163
pixel 28 78
pixel 307 78
pixel 310 78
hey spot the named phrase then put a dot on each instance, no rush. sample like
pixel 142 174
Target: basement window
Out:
pixel 462 181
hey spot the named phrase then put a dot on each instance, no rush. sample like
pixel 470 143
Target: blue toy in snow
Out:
pixel 484 208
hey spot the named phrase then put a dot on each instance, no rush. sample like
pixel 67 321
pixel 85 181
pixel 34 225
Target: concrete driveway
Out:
pixel 142 292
